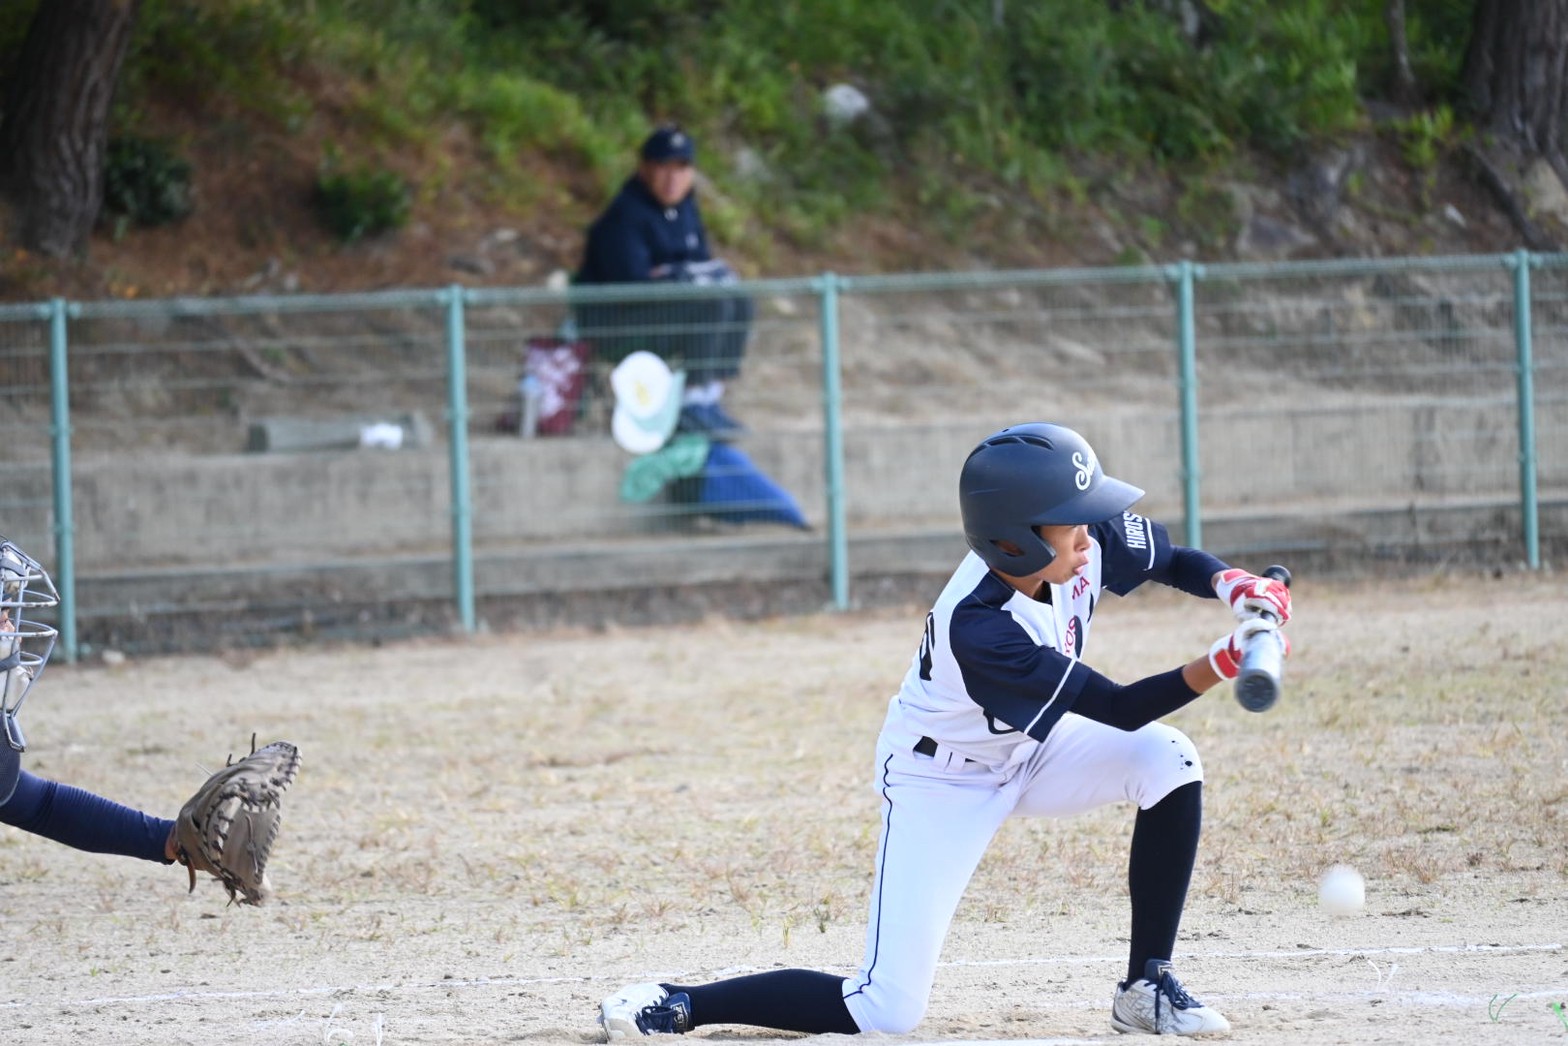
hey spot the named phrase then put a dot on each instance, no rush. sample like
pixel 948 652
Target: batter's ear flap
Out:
pixel 1034 559
pixel 1046 553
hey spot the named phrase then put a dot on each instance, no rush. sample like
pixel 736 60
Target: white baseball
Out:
pixel 1342 891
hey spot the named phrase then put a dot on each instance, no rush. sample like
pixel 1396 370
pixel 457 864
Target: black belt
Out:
pixel 926 746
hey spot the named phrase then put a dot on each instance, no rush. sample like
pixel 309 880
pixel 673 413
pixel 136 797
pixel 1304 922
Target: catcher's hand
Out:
pixel 228 827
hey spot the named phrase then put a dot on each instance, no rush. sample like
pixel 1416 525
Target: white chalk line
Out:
pixel 396 987
pixel 1294 953
pixel 1013 1042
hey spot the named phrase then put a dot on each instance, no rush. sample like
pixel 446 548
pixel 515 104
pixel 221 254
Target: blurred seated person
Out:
pixel 653 231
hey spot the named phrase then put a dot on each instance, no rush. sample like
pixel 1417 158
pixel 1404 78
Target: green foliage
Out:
pixel 1208 213
pixel 360 202
pixel 967 95
pixel 1425 136
pixel 1437 32
pixel 245 52
pixel 145 183
pixel 1131 81
pixel 514 112
pixel 1152 229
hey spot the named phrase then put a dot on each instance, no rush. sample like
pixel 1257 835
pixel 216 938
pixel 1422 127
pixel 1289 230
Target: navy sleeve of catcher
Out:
pixel 1134 705
pixel 84 821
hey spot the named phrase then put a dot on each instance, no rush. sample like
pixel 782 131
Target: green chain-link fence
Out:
pixel 207 471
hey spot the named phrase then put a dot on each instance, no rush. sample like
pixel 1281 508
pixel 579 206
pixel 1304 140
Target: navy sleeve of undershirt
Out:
pixel 1134 705
pixel 1191 570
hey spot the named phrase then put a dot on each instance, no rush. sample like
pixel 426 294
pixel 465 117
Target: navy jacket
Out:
pixel 635 235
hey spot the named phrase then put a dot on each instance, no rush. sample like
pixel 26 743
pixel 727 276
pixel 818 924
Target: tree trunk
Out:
pixel 1515 72
pixel 1404 87
pixel 1516 77
pixel 56 124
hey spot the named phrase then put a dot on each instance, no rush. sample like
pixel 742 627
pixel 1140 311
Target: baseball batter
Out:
pixel 227 828
pixel 998 716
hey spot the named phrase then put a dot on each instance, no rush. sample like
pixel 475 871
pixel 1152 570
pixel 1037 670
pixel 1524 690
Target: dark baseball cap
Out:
pixel 669 143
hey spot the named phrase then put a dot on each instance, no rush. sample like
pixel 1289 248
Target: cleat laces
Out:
pixel 672 1017
pixel 1166 986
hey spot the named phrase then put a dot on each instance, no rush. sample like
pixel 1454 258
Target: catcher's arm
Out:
pixel 229 826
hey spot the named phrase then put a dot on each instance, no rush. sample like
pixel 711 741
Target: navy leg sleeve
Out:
pixel 84 821
pixel 1164 849
pixel 789 1000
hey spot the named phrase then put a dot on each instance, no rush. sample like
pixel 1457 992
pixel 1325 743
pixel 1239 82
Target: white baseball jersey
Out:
pixel 997 669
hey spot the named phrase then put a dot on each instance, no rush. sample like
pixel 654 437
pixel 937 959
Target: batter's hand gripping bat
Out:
pixel 1257 683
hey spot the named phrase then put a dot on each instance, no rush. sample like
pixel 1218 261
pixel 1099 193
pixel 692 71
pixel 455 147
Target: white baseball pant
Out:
pixel 940 813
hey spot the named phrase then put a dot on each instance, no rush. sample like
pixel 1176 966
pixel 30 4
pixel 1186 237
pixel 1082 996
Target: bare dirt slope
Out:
pixel 488 836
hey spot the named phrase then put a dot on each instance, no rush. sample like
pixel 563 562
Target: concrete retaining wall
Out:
pixel 227 534
pixel 279 509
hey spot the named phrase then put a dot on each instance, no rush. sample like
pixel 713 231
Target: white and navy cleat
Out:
pixel 644 1009
pixel 1158 1005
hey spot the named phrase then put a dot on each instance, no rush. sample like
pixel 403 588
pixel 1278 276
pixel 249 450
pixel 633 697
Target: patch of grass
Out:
pixel 145 183
pixel 236 54
pixel 360 202
pixel 1424 139
pixel 1208 212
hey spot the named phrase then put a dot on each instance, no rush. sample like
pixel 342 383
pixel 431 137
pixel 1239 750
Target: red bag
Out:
pixel 559 370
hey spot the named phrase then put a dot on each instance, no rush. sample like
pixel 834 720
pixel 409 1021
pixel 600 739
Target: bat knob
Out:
pixel 1257 691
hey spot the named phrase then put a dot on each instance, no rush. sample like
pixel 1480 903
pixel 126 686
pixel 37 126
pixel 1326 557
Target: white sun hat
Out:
pixel 647 402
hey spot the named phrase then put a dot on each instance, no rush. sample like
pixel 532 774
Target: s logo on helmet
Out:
pixel 1085 466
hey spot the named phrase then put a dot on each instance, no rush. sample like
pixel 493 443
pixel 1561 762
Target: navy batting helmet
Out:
pixel 1027 476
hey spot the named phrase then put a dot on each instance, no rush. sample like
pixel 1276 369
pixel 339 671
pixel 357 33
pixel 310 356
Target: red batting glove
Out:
pixel 1225 654
pixel 1250 595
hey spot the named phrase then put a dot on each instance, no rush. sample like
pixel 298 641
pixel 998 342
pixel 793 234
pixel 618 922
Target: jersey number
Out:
pixel 990 724
pixel 927 644
pixel 927 641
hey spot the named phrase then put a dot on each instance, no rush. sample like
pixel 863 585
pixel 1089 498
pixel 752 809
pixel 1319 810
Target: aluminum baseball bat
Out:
pixel 1263 662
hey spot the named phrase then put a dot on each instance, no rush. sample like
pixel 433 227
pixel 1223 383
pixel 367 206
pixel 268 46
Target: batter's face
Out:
pixel 669 180
pixel 1072 551
pixel 1071 545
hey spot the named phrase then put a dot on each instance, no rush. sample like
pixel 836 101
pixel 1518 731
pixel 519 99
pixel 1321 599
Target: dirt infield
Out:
pixel 489 835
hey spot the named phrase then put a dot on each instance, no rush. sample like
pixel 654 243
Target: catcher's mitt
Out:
pixel 228 827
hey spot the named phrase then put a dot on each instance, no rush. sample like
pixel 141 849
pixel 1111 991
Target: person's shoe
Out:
pixel 644 1009
pixel 710 420
pixel 726 421
pixel 1158 1005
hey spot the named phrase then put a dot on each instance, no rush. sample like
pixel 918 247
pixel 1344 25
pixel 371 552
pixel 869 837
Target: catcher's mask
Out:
pixel 1028 476
pixel 25 646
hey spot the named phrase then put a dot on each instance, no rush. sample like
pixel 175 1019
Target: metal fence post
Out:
pixel 60 440
pixel 833 443
pixel 457 418
pixel 1529 506
pixel 1187 390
